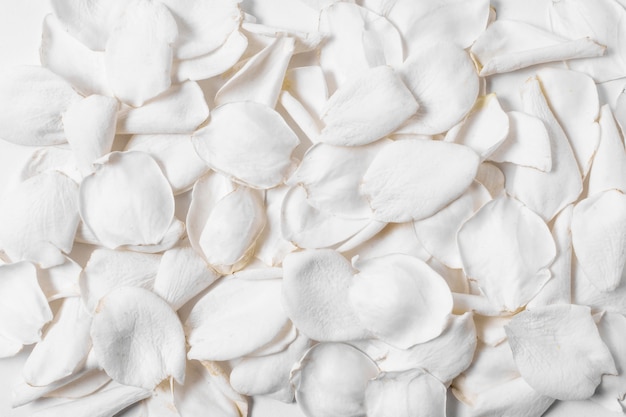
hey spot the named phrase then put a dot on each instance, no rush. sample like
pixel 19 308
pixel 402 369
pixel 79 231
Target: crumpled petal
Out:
pixel 182 275
pixel 32 102
pixel 506 249
pixel 39 219
pixel 413 179
pixel 114 204
pixel 138 338
pixel 354 116
pixel 64 346
pixel 527 144
pixel 248 141
pixel 599 238
pixel 89 127
pixel 546 193
pixel 413 393
pixel 234 318
pixel 438 232
pixel 24 309
pixel 444 82
pixel 611 390
pixel 559 352
pixel 384 293
pixel 107 270
pixel 316 288
pixel 609 164
pixel 331 379
pixel 179 109
pixel 148 27
pixel 261 78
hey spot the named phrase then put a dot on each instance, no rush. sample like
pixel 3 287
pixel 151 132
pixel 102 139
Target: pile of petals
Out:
pixel 372 208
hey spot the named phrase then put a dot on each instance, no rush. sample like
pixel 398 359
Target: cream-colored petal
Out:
pixel 609 164
pixel 491 177
pixel 559 352
pixel 248 141
pixel 138 338
pixel 331 380
pixel 148 27
pixel 127 200
pixel 32 103
pixel 506 249
pixel 413 179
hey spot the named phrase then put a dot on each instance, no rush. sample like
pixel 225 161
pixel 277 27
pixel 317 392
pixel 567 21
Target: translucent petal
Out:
pixel 528 143
pixel 599 238
pixel 127 200
pixel 413 179
pixel 438 232
pixel 331 379
pixel 612 388
pixel 316 288
pixel 234 318
pixel 39 219
pixel 138 338
pixel 559 352
pixel 491 177
pixel 609 164
pixel 136 78
pixel 38 97
pixel 89 127
pixel 413 393
pixel 506 249
pixel 248 141
pixel 384 293
pixel 179 109
pixel 444 82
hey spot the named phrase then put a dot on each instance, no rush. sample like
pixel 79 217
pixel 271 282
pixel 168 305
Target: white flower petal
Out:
pixel 33 100
pixel 39 219
pixel 89 127
pixel 444 82
pixel 546 193
pixel 438 232
pixel 514 398
pixel 9 347
pixel 174 234
pixel 506 249
pixel 179 109
pixel 67 57
pixel 114 203
pixel 108 269
pixel 370 230
pixel 491 177
pixel 308 86
pixel 64 346
pixel 599 238
pixel 248 141
pixel 585 293
pixel 138 338
pixel 89 382
pixel 148 27
pixel 384 293
pixel 413 393
pixel 611 390
pixel 234 318
pixel 281 342
pixel 261 78
pixel 23 309
pixel 353 114
pixel 559 352
pixel 609 164
pixel 316 287
pixel 413 179
pixel 331 379
pixel 271 246
pixel 528 143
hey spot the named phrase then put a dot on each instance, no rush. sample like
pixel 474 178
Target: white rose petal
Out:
pixel 609 164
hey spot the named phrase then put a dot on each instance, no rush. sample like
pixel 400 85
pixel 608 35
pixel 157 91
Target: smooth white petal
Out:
pixel 179 109
pixel 308 86
pixel 413 179
pixel 491 177
pixel 51 158
pixel 248 141
pixel 514 397
pixel 9 347
pixel 281 342
pixel 316 288
pixel 173 235
pixel 609 164
pixel 234 318
pixel 444 82
pixel 287 14
pixel 271 246
pixel 613 387
pixel 138 338
pixel 506 249
pixel 599 238
pixel 559 352
pixel 585 293
pixel 114 204
pixel 384 293
pixel 33 100
pixel 331 379
pixel 137 77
